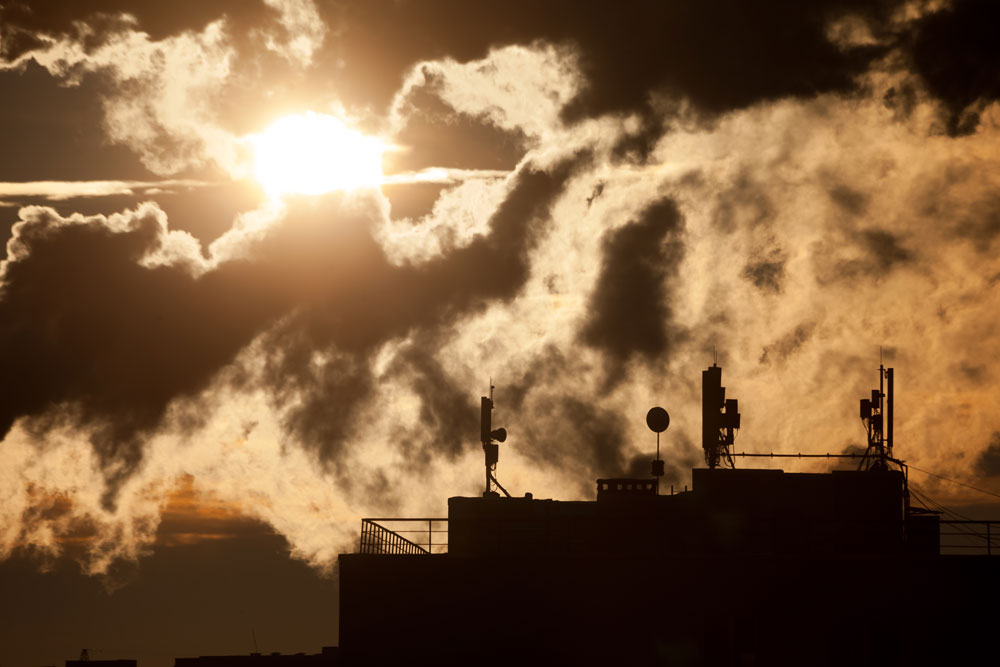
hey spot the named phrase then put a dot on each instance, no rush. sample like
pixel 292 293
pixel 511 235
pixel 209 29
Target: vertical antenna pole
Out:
pixel 889 410
pixel 881 405
pixel 485 426
pixel 489 440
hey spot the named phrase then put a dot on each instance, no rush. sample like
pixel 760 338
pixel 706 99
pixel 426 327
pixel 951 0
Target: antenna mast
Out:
pixel 490 448
pixel 657 420
pixel 720 418
pixel 877 413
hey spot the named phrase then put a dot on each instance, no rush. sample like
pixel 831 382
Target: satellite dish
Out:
pixel 657 420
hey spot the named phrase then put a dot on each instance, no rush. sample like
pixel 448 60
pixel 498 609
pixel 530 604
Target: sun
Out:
pixel 313 153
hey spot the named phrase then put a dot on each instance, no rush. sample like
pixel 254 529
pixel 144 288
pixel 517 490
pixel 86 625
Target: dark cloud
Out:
pixel 24 22
pixel 83 325
pixel 722 54
pixel 568 433
pixel 767 272
pixel 982 225
pixel 241 104
pixel 956 53
pixel 679 456
pixel 745 204
pixel 881 253
pixel 546 370
pixel 630 313
pixel 988 461
pixel 719 54
pixel 352 300
pixel 598 191
pixel 849 200
pixel 566 430
pixel 885 248
pixel 902 100
pixel 975 373
pixel 448 410
pixel 784 347
pixel 323 395
pixel 562 429
pixel 90 337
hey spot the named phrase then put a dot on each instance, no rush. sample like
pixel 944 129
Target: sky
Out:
pixel 263 257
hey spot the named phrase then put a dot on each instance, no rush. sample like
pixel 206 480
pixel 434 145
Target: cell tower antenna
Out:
pixel 720 419
pixel 877 415
pixel 490 438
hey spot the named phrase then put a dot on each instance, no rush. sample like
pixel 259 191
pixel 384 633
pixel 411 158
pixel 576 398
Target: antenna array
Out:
pixel 490 448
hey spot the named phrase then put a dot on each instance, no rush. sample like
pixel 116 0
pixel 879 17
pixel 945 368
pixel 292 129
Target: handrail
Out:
pixel 968 537
pixel 971 541
pixel 379 539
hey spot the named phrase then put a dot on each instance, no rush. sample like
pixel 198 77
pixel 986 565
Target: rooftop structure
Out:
pixel 749 566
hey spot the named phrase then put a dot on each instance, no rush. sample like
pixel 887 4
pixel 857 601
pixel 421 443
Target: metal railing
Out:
pixel 974 538
pixel 404 536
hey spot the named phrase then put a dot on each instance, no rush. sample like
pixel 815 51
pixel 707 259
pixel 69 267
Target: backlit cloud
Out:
pixel 582 206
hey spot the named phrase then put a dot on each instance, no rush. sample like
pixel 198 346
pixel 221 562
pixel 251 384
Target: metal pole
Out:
pixel 888 438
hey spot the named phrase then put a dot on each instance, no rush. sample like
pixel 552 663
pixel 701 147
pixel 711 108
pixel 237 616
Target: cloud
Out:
pixel 722 55
pixel 303 31
pixel 122 328
pixel 630 314
pixel 163 91
pixel 766 272
pixel 988 461
pixel 63 190
pixel 366 302
pixel 957 58
pixel 719 56
pixel 788 344
pixel 620 193
pixel 135 318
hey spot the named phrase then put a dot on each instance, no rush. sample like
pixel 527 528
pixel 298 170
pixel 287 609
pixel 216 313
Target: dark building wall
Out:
pixel 671 610
pixel 750 567
pixel 728 511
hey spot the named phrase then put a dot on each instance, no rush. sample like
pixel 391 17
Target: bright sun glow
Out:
pixel 313 153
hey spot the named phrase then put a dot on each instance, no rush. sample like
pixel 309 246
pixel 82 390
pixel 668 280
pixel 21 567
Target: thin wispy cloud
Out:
pixel 64 190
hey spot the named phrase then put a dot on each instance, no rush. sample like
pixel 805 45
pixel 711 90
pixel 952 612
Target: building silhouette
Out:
pixel 328 657
pixel 748 567
pixel 86 661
